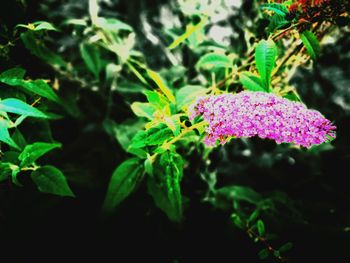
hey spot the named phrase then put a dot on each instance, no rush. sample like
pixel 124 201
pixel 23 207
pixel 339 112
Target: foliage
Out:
pixel 145 109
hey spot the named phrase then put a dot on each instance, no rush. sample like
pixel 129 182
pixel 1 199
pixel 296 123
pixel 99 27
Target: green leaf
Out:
pixel 277 22
pixel 91 56
pixel 5 136
pixel 161 84
pixel 34 151
pixel 12 74
pixel 148 166
pixel 173 124
pixel 265 56
pixel 112 25
pixel 286 247
pixel 190 30
pixel 239 193
pixel 277 253
pixel 158 135
pixel 123 182
pixel 5 171
pixel 264 254
pixel 157 100
pixel 164 185
pixel 237 221
pixel 38 26
pixel 279 9
pixel 18 138
pixel 143 109
pixel 311 43
pixel 14 77
pixel 19 107
pixel 153 136
pixel 213 61
pixel 261 227
pixel 188 95
pixel 37 48
pixel 251 82
pixel 254 216
pixel 43 25
pixel 51 180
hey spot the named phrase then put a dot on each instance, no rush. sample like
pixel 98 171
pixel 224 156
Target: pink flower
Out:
pixel 261 114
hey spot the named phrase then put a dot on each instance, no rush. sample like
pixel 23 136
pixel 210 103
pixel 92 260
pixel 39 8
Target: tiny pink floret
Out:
pixel 261 114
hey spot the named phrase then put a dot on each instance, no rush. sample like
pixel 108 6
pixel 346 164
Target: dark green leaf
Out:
pixel 265 56
pixel 51 180
pixel 34 151
pixel 261 227
pixel 276 253
pixel 277 22
pixel 237 221
pixel 19 107
pixel 164 186
pixel 37 48
pixel 251 82
pixel 91 56
pixel 254 216
pixel 5 171
pixel 264 254
pixel 12 74
pixel 311 43
pixel 19 139
pixel 286 247
pixel 123 182
pixel 239 193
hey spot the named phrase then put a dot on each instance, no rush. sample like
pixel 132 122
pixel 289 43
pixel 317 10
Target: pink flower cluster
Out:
pixel 261 114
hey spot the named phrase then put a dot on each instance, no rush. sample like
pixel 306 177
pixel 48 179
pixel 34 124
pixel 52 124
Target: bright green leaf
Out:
pixel 251 82
pixel 158 136
pixel 34 151
pixel 43 25
pixel 156 99
pixel 265 56
pixel 51 180
pixel 123 182
pixel 19 107
pixel 4 134
pixel 311 43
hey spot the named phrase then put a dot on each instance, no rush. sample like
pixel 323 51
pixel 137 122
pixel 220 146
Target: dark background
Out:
pixel 40 227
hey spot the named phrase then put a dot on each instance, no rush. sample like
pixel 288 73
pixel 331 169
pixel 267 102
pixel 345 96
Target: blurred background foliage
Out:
pixel 302 195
